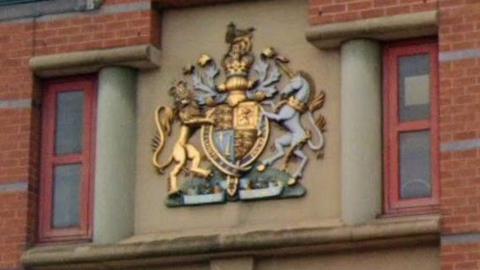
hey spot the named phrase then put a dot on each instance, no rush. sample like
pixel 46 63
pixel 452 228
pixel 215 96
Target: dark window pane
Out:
pixel 415 165
pixel 14 2
pixel 66 196
pixel 414 85
pixel 69 130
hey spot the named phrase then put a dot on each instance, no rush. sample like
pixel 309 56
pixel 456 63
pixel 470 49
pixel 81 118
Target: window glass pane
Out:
pixel 66 196
pixel 14 2
pixel 414 85
pixel 69 129
pixel 415 165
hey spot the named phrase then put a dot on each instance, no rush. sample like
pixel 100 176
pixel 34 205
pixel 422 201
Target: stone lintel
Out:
pixel 402 26
pixel 383 233
pixel 139 57
pixel 163 4
pixel 42 8
pixel 239 263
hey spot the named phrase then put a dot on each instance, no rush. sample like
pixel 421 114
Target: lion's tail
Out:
pixel 164 117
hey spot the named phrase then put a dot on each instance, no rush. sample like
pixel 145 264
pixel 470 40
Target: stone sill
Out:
pixel 139 57
pixel 164 4
pixel 396 27
pixel 382 233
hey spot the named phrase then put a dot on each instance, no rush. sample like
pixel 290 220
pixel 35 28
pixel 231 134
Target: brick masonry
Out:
pixel 117 23
pixel 459 75
pixel 335 11
pixel 132 22
pixel 459 43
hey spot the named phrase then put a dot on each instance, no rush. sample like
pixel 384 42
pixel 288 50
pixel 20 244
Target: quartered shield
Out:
pixel 238 137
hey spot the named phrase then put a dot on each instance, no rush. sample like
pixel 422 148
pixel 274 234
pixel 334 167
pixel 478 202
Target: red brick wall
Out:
pixel 461 257
pixel 459 39
pixel 13 224
pixel 459 104
pixel 19 122
pixel 334 11
pixel 459 75
pixel 95 32
pixel 16 83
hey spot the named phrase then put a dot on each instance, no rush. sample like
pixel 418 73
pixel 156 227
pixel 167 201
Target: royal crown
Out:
pixel 237 63
pixel 237 68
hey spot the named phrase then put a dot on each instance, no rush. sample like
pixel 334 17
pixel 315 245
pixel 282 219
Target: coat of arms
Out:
pixel 233 120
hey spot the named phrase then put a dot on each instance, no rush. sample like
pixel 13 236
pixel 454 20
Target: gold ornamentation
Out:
pixel 237 63
pixel 204 60
pixel 246 116
pixel 269 52
pixel 190 118
pixel 254 148
pixel 223 117
pixel 298 105
pixel 234 121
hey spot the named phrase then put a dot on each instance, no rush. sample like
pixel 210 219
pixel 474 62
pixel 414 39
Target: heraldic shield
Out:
pixel 234 123
pixel 238 137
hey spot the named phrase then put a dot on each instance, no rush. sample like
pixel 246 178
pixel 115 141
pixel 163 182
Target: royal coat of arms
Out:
pixel 233 120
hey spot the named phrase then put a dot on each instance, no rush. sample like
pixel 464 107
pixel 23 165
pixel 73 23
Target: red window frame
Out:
pixel 51 89
pixel 394 204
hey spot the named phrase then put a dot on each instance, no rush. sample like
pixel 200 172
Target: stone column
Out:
pixel 361 134
pixel 115 155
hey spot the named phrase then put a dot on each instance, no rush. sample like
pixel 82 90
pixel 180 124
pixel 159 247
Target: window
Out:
pixel 14 2
pixel 21 9
pixel 68 139
pixel 410 121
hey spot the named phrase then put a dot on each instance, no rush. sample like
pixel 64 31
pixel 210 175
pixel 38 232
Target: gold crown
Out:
pixel 237 68
pixel 239 59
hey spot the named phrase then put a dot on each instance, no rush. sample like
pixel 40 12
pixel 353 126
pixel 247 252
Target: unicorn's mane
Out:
pixel 310 82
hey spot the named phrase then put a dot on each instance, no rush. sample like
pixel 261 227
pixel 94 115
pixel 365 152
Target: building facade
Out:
pixel 395 185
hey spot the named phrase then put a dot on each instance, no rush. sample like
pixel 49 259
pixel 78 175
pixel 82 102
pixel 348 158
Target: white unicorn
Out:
pixel 296 101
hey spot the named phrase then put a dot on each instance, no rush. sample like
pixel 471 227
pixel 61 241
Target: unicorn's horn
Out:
pixel 281 62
